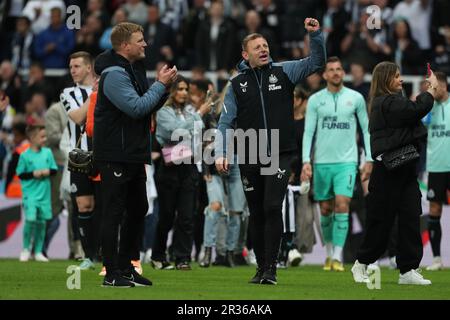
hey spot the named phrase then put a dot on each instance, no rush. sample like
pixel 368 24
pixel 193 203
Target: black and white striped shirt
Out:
pixel 73 98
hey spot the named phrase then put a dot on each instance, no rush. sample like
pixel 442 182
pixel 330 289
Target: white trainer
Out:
pixel 147 256
pixel 40 257
pixel 359 273
pixel 374 266
pixel 24 255
pixel 413 277
pixel 294 258
pixel 436 265
pixel 251 257
pixel 392 263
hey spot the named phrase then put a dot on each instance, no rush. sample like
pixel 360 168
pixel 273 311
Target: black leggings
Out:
pixel 265 194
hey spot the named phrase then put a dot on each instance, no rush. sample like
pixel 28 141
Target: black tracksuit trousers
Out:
pixel 393 193
pixel 125 203
pixel 265 194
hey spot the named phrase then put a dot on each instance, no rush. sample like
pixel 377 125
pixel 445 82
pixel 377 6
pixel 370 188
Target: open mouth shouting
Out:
pixel 264 57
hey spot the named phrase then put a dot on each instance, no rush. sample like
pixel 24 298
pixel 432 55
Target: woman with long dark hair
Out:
pixel 396 131
pixel 176 182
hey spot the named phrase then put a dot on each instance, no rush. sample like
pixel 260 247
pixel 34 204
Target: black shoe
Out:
pixel 117 281
pixel 206 261
pixel 239 260
pixel 270 275
pixel 258 276
pixel 220 261
pixel 184 265
pixel 229 262
pixel 134 277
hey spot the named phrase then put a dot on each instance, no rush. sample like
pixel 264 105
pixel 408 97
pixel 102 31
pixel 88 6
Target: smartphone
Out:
pixel 208 94
pixel 428 70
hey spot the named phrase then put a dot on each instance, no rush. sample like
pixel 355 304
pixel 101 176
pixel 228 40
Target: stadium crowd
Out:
pixel 206 211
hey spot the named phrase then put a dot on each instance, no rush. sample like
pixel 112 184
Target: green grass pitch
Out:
pixel 33 280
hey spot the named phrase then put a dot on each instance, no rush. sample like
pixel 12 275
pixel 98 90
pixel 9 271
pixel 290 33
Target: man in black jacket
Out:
pixel 260 100
pixel 122 147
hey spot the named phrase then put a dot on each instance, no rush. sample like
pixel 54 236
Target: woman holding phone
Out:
pixel 396 131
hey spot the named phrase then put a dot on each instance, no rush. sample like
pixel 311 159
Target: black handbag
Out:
pixel 400 157
pixel 80 161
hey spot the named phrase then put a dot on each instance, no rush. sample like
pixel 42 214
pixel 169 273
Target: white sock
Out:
pixel 337 254
pixel 329 247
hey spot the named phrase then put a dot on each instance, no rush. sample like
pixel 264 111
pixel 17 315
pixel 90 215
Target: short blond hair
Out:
pixel 249 38
pixel 122 33
pixel 86 56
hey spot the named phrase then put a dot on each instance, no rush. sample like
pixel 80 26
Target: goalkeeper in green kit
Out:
pixel 331 117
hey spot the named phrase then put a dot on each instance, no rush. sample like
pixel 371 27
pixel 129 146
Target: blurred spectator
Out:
pixel 253 25
pixel 36 83
pixel 120 16
pixel 386 12
pixel 356 7
pixel 39 13
pixel 113 5
pixel 198 73
pixel 334 24
pixel 36 108
pixel 236 9
pixel 160 39
pixel 270 13
pixel 136 10
pixel 10 84
pixel 295 13
pixel 197 15
pixel 53 45
pixel 215 41
pixel 22 44
pixel 358 84
pixel 10 10
pixel 441 8
pixel 441 56
pixel 359 45
pixel 88 37
pixel 418 14
pixel 439 19
pixel 404 49
pixel 381 36
pixel 314 82
pixel 97 8
pixel 172 11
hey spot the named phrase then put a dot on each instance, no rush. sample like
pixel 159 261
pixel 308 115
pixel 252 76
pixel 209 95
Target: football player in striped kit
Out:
pixel 75 102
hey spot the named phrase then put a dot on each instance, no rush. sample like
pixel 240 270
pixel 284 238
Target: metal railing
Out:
pixel 414 81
